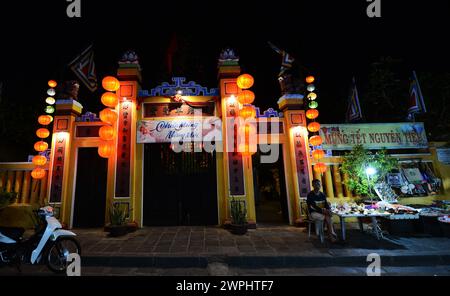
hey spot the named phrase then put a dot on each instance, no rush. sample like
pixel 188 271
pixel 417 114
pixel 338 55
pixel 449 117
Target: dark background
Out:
pixel 333 40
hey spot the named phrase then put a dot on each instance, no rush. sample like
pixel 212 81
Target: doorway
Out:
pixel 90 189
pixel 179 188
pixel 270 189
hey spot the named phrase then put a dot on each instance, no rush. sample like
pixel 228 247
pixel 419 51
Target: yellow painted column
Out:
pixel 329 183
pixel 347 191
pixel 317 175
pixel 10 181
pixel 34 191
pixel 43 191
pixel 337 181
pixel 25 196
pixel 18 184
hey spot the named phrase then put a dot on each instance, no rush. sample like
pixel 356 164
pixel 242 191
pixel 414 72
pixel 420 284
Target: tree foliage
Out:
pixel 355 163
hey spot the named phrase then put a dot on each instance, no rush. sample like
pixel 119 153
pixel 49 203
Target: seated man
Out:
pixel 319 208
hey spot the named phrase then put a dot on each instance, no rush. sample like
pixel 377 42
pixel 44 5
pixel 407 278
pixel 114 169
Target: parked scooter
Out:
pixel 50 244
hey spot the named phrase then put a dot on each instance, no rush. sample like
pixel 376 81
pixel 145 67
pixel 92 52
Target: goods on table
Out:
pixel 354 208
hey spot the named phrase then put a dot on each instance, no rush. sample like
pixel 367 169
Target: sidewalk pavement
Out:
pixel 264 247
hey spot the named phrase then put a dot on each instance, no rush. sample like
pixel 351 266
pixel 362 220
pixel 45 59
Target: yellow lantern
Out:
pixel 312 96
pixel 40 146
pixel 245 81
pixel 320 167
pixel 110 83
pixel 50 100
pixel 314 127
pixel 246 97
pixel 315 140
pixel 38 173
pixel 247 112
pixel 39 160
pixel 106 149
pixel 107 133
pixel 52 83
pixel 109 116
pixel 318 154
pixel 45 119
pixel 110 99
pixel 310 79
pixel 312 114
pixel 245 149
pixel 42 133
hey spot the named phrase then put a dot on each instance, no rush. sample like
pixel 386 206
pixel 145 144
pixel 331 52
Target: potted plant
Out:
pixel 238 217
pixel 117 216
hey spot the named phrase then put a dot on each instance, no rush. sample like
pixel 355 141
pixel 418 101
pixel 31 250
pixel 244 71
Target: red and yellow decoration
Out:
pixel 109 116
pixel 40 146
pixel 45 119
pixel 246 97
pixel 38 173
pixel 245 81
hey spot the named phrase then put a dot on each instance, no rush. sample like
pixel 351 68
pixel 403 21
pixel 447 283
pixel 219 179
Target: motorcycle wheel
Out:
pixel 56 256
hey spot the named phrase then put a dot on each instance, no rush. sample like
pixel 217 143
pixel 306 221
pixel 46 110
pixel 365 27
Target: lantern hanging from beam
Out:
pixel 320 167
pixel 245 81
pixel 246 97
pixel 318 154
pixel 312 114
pixel 247 112
pixel 106 149
pixel 312 96
pixel 109 116
pixel 313 105
pixel 314 127
pixel 110 83
pixel 310 79
pixel 50 100
pixel 38 173
pixel 40 146
pixel 42 133
pixel 110 99
pixel 45 119
pixel 52 83
pixel 107 133
pixel 315 140
pixel 39 160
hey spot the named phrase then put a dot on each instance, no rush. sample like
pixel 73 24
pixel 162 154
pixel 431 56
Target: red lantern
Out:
pixel 310 79
pixel 39 160
pixel 40 146
pixel 106 149
pixel 314 127
pixel 315 140
pixel 110 99
pixel 246 97
pixel 38 173
pixel 320 167
pixel 109 116
pixel 110 83
pixel 247 112
pixel 42 133
pixel 318 154
pixel 107 132
pixel 312 114
pixel 45 119
pixel 52 83
pixel 245 81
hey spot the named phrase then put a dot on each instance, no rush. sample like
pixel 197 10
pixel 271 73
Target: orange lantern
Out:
pixel 315 140
pixel 247 112
pixel 246 97
pixel 106 149
pixel 40 146
pixel 245 81
pixel 109 116
pixel 52 83
pixel 245 149
pixel 312 114
pixel 320 167
pixel 318 154
pixel 38 173
pixel 39 160
pixel 310 79
pixel 248 129
pixel 45 119
pixel 107 133
pixel 110 83
pixel 42 133
pixel 110 99
pixel 314 127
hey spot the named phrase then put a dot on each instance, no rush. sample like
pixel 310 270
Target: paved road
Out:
pixel 218 269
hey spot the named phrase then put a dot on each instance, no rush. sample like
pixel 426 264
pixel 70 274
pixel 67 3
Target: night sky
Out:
pixel 334 40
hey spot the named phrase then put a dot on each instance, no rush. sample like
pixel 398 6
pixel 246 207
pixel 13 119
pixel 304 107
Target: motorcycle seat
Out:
pixel 14 233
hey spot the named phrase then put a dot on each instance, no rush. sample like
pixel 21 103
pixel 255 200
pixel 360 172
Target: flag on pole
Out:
pixel 354 112
pixel 286 59
pixel 84 67
pixel 416 102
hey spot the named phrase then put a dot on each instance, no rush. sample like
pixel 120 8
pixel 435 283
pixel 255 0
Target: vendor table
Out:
pixel 373 217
